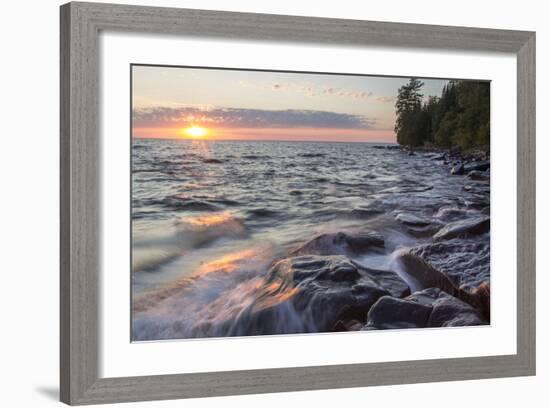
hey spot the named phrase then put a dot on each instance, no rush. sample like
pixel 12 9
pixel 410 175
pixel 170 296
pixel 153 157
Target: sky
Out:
pixel 220 104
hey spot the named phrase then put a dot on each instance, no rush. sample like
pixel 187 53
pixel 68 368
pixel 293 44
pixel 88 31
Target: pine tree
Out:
pixel 460 117
pixel 407 107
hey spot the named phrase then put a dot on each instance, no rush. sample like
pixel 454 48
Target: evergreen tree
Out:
pixel 408 107
pixel 460 117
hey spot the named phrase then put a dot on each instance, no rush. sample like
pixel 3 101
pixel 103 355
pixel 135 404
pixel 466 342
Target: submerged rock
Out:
pixel 341 243
pixel 428 308
pixel 464 228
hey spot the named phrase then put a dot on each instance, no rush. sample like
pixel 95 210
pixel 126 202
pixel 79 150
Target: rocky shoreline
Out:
pixel 443 283
pixel 331 292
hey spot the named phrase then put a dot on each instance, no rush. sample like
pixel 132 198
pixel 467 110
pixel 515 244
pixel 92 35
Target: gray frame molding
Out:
pixel 80 158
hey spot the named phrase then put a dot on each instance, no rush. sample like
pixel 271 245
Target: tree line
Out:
pixel 460 117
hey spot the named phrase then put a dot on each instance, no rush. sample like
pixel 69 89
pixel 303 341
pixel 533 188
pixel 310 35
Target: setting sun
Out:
pixel 195 131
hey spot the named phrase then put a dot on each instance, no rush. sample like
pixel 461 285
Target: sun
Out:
pixel 195 131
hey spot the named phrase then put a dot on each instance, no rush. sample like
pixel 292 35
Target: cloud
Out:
pixel 309 89
pixel 347 93
pixel 247 118
pixel 385 99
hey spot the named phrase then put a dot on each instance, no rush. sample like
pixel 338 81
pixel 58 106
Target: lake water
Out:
pixel 210 218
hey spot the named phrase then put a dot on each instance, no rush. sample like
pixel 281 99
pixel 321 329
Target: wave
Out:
pixel 263 213
pixel 214 301
pixel 170 241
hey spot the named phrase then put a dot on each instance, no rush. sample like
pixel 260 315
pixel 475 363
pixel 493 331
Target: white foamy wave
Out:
pixel 170 241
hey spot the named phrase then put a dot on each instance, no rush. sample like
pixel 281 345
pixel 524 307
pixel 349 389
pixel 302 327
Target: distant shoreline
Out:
pixel 261 141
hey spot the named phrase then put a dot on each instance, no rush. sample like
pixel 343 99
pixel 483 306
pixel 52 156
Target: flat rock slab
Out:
pixel 464 228
pixel 412 219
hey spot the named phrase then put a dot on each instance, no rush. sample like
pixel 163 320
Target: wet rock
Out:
pixel 423 275
pixel 347 325
pixel 412 220
pixel 418 226
pixel 465 262
pixel 428 308
pixel 477 166
pixel 329 289
pixel 393 313
pixel 341 243
pixel 458 169
pixel 464 228
pixel 459 268
pixel 423 232
pixel 477 175
pixel 447 310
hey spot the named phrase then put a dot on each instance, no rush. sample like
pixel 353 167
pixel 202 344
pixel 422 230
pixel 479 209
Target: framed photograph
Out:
pixel 259 203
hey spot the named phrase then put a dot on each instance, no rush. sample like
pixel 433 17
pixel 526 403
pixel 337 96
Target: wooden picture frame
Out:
pixel 81 24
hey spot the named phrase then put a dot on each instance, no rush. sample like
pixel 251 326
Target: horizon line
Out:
pixel 257 140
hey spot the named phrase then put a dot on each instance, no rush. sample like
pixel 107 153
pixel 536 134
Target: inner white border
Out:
pixel 119 357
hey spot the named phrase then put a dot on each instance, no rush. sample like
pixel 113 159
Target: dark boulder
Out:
pixel 428 308
pixel 328 289
pixel 347 325
pixel 447 310
pixel 393 313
